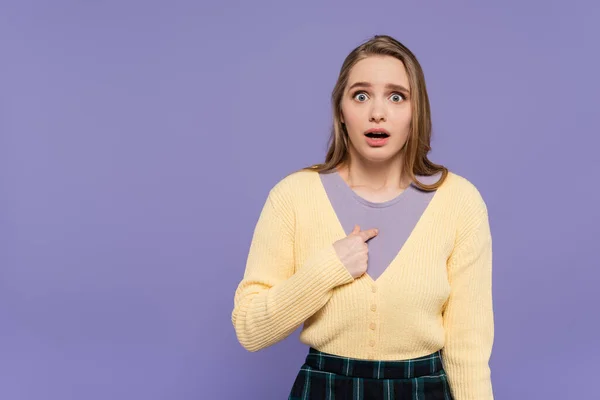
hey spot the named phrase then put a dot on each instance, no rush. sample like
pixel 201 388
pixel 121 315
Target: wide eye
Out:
pixel 360 96
pixel 397 97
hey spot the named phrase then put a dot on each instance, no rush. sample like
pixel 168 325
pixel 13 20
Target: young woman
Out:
pixel 382 255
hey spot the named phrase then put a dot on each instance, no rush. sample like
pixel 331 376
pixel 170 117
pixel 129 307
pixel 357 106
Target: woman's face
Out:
pixel 377 97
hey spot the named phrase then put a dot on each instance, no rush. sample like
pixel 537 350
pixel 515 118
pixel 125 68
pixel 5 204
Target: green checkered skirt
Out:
pixel 331 377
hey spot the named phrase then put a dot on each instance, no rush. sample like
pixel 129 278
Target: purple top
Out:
pixel 395 218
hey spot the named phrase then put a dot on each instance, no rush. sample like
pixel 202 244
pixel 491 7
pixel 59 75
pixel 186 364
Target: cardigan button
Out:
pixel 372 326
pixel 372 343
pixel 373 307
pixel 374 289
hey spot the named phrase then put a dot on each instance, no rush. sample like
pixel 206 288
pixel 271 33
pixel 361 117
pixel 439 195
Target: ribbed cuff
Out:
pixel 327 270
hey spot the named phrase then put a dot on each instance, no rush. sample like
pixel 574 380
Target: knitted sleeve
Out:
pixel 468 315
pixel 273 299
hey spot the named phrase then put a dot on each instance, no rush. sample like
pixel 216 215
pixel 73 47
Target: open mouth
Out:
pixel 377 138
pixel 377 135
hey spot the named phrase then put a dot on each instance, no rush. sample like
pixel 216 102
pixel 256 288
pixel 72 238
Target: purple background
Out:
pixel 138 141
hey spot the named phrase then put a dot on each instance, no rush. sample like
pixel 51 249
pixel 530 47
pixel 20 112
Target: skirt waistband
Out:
pixel 357 368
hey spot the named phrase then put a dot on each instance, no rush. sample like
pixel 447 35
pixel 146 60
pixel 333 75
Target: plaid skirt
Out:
pixel 331 377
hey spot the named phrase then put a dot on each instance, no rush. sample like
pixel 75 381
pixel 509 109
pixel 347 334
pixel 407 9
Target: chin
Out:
pixel 378 155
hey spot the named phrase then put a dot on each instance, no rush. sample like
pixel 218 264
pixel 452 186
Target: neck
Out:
pixel 376 176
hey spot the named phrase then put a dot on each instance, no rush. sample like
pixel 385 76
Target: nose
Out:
pixel 377 112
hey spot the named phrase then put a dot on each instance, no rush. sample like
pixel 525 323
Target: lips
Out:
pixel 377 133
pixel 377 137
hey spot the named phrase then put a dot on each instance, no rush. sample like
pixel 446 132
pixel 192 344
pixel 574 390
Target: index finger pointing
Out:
pixel 368 234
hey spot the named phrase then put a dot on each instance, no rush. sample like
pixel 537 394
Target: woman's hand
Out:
pixel 353 250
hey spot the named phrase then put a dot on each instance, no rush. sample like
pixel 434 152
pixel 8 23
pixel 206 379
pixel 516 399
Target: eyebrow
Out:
pixel 391 86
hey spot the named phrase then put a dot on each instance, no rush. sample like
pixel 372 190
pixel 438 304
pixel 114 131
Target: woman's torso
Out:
pixel 395 313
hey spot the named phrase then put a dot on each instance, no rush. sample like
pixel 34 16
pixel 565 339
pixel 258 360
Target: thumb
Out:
pixel 355 230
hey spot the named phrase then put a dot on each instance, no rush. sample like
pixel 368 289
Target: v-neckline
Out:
pixel 401 251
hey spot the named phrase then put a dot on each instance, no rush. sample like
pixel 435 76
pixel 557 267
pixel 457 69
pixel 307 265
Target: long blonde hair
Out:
pixel 418 141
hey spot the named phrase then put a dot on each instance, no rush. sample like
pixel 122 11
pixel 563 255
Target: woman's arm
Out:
pixel 468 316
pixel 271 301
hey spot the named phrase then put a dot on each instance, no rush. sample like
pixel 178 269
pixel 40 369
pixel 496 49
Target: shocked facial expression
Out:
pixel 376 108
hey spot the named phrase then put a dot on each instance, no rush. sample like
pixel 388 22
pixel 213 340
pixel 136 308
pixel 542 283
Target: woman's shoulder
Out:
pixel 295 184
pixel 460 182
pixel 463 192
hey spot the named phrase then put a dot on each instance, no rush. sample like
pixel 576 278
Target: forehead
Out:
pixel 379 71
